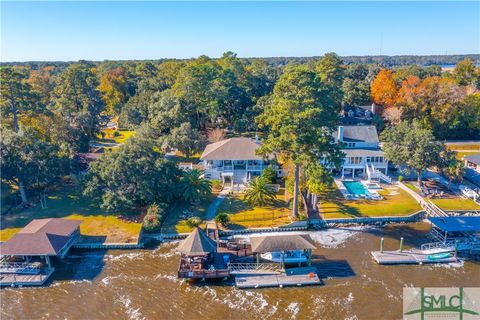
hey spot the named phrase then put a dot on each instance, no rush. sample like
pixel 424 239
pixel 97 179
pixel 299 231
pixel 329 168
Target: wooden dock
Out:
pixel 297 279
pixel 18 279
pixel 407 257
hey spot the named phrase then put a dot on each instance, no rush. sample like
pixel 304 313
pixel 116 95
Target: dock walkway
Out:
pixel 18 279
pixel 408 257
pixel 304 277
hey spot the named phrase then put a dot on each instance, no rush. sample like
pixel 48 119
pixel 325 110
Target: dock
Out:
pixel 408 257
pixel 19 279
pixel 305 277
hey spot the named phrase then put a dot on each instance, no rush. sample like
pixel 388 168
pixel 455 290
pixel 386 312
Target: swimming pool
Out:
pixel 355 187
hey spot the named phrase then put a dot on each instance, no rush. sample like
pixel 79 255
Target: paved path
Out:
pixel 213 207
pixel 415 195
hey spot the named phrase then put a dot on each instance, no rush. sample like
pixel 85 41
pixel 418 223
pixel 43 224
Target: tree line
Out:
pixel 52 114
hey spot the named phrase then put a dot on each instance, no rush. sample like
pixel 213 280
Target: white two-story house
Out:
pixel 363 156
pixel 234 161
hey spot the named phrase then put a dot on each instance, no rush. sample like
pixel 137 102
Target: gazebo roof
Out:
pixel 281 243
pixel 197 244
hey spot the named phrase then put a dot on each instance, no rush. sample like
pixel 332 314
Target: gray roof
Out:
pixel 359 134
pixel 232 149
pixel 363 152
pixel 475 158
pixel 197 244
pixel 41 237
pixel 281 242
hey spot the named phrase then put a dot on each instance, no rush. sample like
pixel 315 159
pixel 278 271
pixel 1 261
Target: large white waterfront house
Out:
pixel 235 160
pixel 363 156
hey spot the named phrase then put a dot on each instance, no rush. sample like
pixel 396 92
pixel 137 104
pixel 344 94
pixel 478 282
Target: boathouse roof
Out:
pixel 41 237
pixel 285 242
pixel 197 244
pixel 456 224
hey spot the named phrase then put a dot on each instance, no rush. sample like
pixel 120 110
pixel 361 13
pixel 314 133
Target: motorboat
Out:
pixel 292 256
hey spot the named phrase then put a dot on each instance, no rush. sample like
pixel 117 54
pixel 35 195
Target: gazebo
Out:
pixel 197 244
pixel 199 258
pixel 282 243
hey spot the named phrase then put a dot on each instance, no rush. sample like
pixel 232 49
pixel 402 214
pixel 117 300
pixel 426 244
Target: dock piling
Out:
pixel 401 244
pixel 381 245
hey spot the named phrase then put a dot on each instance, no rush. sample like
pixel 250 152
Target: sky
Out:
pixel 68 31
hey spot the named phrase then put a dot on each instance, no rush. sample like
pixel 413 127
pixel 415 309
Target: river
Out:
pixel 142 284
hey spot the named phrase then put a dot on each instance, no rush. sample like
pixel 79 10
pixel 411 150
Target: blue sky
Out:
pixel 152 30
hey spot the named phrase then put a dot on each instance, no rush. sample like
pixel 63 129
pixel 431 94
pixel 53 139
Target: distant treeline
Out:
pixel 385 61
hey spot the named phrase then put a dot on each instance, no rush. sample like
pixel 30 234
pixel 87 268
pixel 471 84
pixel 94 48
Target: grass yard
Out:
pixel 456 204
pixel 464 146
pixel 396 202
pixel 6 234
pixel 243 215
pixel 109 136
pixel 461 154
pixel 412 187
pixel 464 149
pixel 175 223
pixel 68 204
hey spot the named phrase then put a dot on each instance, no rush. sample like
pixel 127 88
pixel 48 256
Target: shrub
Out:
pixel 153 218
pixel 269 175
pixel 222 218
pixel 216 184
pixel 193 222
pixel 400 178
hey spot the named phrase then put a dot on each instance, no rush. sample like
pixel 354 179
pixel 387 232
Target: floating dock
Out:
pixel 297 278
pixel 18 279
pixel 409 257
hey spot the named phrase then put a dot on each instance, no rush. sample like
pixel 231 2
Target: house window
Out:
pixel 351 144
pixel 375 159
pixel 355 160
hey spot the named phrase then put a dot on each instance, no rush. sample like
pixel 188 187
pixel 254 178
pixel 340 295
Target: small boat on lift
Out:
pixel 289 257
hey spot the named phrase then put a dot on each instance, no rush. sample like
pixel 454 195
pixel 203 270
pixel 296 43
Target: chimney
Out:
pixel 373 108
pixel 257 140
pixel 340 134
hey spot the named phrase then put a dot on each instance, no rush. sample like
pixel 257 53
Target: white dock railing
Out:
pixel 248 268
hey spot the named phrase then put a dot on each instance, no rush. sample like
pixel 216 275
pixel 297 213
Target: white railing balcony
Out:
pixel 255 167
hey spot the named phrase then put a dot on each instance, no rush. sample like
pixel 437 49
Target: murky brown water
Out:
pixel 143 285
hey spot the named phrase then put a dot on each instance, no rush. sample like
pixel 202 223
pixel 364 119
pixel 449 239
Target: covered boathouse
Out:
pixel 199 259
pixel 25 258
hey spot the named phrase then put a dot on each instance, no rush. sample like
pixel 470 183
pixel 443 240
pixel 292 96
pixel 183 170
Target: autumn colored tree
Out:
pixel 113 86
pixel 383 89
pixel 465 73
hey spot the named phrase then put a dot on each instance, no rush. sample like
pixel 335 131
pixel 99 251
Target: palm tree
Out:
pixel 454 171
pixel 195 188
pixel 259 193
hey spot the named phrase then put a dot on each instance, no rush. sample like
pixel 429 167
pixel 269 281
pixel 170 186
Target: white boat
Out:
pixel 293 256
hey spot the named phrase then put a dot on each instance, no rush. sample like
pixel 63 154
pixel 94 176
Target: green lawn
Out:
pixel 456 204
pixel 412 187
pixel 111 138
pixel 463 146
pixel 461 154
pixel 66 203
pixel 174 223
pixel 396 202
pixel 242 215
